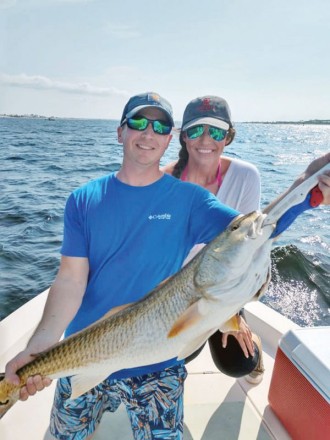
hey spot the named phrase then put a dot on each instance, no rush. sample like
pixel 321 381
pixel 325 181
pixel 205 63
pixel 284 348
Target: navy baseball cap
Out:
pixel 144 100
pixel 210 110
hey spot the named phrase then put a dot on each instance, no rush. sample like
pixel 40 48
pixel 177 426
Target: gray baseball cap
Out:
pixel 144 100
pixel 210 110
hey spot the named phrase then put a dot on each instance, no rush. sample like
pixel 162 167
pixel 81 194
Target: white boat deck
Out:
pixel 217 407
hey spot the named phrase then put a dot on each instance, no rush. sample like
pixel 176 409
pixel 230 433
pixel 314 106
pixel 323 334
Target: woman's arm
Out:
pixel 313 167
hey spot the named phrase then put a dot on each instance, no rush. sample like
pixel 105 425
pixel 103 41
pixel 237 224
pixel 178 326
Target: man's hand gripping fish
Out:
pixel 178 316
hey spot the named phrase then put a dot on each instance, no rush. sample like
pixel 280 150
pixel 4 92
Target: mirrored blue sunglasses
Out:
pixel 141 123
pixel 218 134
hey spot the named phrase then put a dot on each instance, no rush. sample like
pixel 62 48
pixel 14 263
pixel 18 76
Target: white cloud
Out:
pixel 42 82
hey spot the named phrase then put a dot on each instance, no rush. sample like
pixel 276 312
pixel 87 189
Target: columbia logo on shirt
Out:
pixel 159 217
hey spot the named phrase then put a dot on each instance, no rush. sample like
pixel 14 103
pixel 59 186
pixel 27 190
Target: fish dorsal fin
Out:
pixel 81 383
pixel 115 310
pixel 194 345
pixel 190 317
pixel 232 325
pixel 164 281
pixel 111 312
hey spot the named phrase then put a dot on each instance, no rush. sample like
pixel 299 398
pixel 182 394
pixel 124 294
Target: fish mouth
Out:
pixel 256 228
pixel 251 226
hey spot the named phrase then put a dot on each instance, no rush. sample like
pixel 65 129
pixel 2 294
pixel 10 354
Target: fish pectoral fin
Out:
pixel 194 345
pixel 232 325
pixel 81 383
pixel 190 317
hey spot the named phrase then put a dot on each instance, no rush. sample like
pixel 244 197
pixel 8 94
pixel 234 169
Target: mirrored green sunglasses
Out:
pixel 141 123
pixel 218 134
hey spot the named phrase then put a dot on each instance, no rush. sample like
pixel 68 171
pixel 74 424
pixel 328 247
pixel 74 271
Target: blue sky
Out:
pixel 84 58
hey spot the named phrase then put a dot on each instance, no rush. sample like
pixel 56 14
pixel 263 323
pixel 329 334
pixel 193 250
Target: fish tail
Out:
pixel 9 395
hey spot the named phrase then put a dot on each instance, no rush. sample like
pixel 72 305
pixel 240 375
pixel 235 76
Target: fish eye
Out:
pixel 234 227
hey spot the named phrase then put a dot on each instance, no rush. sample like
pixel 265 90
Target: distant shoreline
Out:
pixel 28 116
pixel 307 122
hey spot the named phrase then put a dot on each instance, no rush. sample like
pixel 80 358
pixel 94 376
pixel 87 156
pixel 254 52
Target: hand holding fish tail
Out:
pixel 33 384
pixel 68 288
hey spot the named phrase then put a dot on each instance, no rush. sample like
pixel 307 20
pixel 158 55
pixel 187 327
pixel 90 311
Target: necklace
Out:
pixel 218 177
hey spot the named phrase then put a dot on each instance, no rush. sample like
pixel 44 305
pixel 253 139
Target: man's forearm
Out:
pixel 63 302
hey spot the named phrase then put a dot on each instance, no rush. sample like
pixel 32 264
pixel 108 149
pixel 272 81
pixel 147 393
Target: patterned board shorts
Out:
pixel 154 403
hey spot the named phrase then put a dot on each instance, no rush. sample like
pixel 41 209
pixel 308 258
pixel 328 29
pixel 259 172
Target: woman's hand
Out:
pixel 243 336
pixel 316 165
pixel 324 179
pixel 324 185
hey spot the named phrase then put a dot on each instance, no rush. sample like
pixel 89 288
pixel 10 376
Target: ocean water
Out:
pixel 42 161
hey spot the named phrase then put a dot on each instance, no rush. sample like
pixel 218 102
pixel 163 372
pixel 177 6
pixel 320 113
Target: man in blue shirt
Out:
pixel 124 234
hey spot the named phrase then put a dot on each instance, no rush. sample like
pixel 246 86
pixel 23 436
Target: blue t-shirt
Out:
pixel 134 238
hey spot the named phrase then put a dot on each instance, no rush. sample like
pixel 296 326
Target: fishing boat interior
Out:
pixel 291 402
